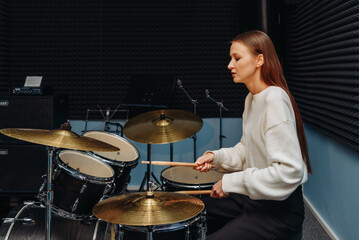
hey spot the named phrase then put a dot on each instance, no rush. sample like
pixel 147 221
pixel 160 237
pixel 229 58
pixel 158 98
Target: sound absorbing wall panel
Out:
pixel 3 39
pixel 321 63
pixel 89 50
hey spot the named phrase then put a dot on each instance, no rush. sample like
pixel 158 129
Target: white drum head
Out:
pixel 127 152
pixel 190 176
pixel 86 164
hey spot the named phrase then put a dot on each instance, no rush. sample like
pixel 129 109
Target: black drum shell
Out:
pixel 67 190
pixel 189 229
pixel 122 175
pixel 61 228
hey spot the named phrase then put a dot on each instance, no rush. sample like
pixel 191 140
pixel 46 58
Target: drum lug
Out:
pixel 202 227
pixel 83 188
pixel 108 188
pixel 75 205
pixel 154 186
pixel 56 173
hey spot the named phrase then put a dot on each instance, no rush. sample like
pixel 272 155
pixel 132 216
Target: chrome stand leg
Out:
pixel 188 234
pixel 49 193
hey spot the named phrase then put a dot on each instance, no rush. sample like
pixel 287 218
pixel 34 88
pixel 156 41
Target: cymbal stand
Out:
pixel 220 105
pixel 49 193
pixel 194 102
pixel 149 172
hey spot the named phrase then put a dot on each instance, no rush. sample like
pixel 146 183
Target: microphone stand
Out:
pixel 220 104
pixel 107 118
pixel 194 102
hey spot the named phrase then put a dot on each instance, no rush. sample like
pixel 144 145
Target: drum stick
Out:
pixel 164 163
pixel 195 192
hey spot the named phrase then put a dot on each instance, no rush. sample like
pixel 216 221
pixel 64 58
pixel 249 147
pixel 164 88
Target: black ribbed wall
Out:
pixel 321 63
pixel 3 40
pixel 89 50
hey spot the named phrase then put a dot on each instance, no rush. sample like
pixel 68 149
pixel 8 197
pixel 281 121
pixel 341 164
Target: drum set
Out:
pixel 87 176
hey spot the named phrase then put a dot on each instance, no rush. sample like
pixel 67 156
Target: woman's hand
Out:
pixel 204 162
pixel 217 191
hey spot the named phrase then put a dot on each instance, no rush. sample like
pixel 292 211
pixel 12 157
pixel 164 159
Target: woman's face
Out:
pixel 243 64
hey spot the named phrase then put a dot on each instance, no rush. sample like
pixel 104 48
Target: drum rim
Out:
pixel 113 162
pixel 81 175
pixel 119 137
pixel 185 185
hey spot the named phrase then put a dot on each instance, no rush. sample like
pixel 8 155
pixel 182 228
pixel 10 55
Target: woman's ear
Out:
pixel 260 60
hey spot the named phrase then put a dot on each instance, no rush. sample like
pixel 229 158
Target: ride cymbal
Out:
pixel 137 209
pixel 162 126
pixel 58 138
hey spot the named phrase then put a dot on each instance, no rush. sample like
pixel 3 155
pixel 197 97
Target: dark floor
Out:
pixel 312 230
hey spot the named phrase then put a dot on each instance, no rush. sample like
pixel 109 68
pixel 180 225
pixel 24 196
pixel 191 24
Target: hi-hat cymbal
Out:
pixel 162 126
pixel 137 209
pixel 58 138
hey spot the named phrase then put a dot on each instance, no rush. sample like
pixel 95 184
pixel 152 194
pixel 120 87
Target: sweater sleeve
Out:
pixel 284 173
pixel 230 159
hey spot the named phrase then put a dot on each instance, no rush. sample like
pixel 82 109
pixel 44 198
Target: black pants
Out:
pixel 238 217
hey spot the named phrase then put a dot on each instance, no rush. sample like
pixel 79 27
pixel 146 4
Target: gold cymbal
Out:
pixel 137 209
pixel 162 126
pixel 58 138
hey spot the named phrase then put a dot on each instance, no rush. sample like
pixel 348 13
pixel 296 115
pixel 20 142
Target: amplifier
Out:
pixel 26 91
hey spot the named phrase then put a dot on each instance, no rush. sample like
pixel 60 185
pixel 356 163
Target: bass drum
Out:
pixel 27 221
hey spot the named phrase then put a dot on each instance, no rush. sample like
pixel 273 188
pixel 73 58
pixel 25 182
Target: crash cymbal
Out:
pixel 59 138
pixel 137 209
pixel 162 126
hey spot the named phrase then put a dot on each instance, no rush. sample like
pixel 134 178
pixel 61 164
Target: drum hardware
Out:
pixel 59 138
pixel 194 102
pixel 148 173
pixel 220 105
pixel 62 228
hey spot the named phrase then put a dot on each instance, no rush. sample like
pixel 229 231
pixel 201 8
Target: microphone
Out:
pixel 107 119
pixel 207 93
pixel 107 114
pixel 179 83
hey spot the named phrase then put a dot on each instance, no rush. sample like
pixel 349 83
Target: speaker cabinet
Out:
pixel 22 167
pixel 39 112
pixel 23 163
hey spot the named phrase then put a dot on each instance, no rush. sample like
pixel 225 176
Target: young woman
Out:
pixel 260 196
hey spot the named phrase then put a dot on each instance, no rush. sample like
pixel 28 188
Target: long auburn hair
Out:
pixel 258 42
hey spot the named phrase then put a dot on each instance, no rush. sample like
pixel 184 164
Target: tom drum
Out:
pixel 122 162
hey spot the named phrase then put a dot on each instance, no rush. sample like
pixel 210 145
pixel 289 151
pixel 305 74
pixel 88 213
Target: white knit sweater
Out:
pixel 268 153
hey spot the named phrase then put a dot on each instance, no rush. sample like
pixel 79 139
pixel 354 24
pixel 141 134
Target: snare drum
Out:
pixel 122 162
pixel 79 182
pixel 185 178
